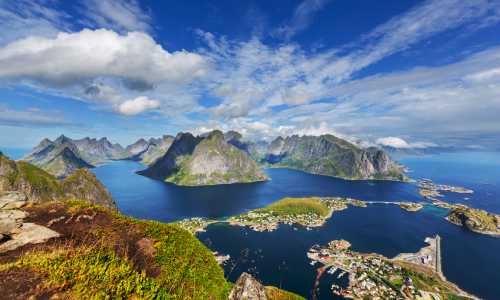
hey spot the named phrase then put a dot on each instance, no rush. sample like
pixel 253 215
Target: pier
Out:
pixel 438 256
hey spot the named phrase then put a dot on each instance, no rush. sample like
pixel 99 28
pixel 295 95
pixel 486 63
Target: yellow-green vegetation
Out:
pixel 475 219
pixel 95 270
pixel 290 206
pixel 188 268
pixel 277 294
pixel 38 178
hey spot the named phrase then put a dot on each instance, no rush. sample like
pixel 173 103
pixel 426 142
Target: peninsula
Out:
pixel 332 156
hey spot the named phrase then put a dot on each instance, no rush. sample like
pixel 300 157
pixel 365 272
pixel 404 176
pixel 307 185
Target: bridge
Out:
pixel 378 202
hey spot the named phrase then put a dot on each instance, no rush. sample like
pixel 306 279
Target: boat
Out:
pixel 295 229
pixel 332 270
pixel 313 262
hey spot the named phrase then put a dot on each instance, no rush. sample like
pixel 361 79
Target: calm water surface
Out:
pixel 470 260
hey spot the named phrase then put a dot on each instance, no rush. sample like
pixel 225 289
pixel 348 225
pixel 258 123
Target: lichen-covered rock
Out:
pixel 28 233
pixel 9 197
pixel 204 160
pixel 247 287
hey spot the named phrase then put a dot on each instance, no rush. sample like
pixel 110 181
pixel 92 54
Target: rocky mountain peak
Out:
pixel 61 140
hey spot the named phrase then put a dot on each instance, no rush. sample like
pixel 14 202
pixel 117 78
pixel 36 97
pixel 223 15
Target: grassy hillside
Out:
pixel 288 206
pixel 119 257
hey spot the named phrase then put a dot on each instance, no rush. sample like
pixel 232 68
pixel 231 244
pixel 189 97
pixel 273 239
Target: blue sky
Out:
pixel 399 73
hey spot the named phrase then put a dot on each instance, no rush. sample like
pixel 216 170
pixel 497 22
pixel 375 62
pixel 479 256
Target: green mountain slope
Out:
pixel 329 155
pixel 40 186
pixel 204 161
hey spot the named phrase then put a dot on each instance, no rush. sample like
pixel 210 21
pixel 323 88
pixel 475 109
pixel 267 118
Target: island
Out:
pixel 373 276
pixel 309 212
pixel 476 220
pixel 410 206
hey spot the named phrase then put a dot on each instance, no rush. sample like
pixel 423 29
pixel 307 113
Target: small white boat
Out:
pixel 313 262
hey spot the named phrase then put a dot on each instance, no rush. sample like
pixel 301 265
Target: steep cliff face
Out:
pixel 329 155
pixel 83 185
pixel 137 147
pixel 40 186
pixel 204 161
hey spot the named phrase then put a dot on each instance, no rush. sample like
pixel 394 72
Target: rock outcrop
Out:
pixel 250 148
pixel 247 287
pixel 329 155
pixel 39 186
pixel 204 160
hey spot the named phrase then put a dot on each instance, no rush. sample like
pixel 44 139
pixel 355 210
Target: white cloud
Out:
pixel 233 110
pixel 301 19
pixel 423 145
pixel 100 93
pixel 474 147
pixel 136 106
pixel 224 89
pixel 119 15
pixel 393 142
pixel 22 18
pixel 34 117
pixel 297 97
pixel 73 58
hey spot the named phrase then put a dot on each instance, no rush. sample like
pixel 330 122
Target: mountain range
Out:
pixel 204 160
pixel 329 155
pixel 211 158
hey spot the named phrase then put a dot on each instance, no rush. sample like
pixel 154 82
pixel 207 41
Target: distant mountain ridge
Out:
pixel 65 155
pixel 329 155
pixel 254 150
pixel 149 152
pixel 204 160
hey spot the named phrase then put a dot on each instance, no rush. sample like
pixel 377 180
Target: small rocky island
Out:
pixel 476 220
pixel 204 160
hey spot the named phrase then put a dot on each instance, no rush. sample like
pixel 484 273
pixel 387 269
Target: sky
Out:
pixel 389 72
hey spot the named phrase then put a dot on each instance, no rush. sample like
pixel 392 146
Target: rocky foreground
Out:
pixel 76 250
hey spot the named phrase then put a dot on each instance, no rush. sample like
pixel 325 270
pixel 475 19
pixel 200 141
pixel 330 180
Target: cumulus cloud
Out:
pixel 136 106
pixel 34 117
pixel 100 93
pixel 297 97
pixel 392 142
pixel 224 89
pixel 73 58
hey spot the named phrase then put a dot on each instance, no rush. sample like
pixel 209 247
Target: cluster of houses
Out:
pixel 220 258
pixel 270 220
pixel 193 225
pixel 370 276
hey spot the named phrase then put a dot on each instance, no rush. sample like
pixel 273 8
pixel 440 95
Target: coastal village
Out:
pixel 375 277
pixel 262 221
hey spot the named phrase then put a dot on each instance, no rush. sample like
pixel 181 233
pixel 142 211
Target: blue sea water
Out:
pixel 469 259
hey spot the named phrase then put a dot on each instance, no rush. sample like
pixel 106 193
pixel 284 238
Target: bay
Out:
pixel 468 259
